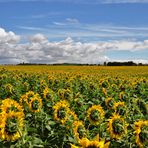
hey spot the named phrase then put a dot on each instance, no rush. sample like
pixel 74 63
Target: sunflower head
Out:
pixel 141 130
pixel 61 111
pixel 119 108
pixel 35 104
pixel 122 96
pixel 61 93
pixel 28 96
pixel 86 143
pixel 79 130
pixel 48 94
pixel 116 127
pixel 68 84
pixel 109 102
pixel 9 88
pixel 43 84
pixel 50 79
pixel 105 83
pixel 67 95
pixel 95 114
pixel 11 125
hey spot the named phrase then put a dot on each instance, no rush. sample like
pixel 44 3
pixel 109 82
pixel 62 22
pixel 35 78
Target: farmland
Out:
pixel 73 106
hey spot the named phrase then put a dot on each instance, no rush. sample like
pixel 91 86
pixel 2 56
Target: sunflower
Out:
pixel 141 130
pixel 61 93
pixel 29 95
pixel 10 105
pixel 119 108
pixel 35 104
pixel 50 79
pixel 86 143
pixel 61 111
pixel 68 84
pixel 48 94
pixel 122 96
pixel 11 126
pixel 117 126
pixel 26 97
pixel 67 94
pixel 79 130
pixel 9 88
pixel 109 102
pixel 95 114
pixel 43 84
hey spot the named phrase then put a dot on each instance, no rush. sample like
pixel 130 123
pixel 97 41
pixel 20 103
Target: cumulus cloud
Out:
pixel 129 45
pixel 38 38
pixel 8 43
pixel 8 37
pixel 38 49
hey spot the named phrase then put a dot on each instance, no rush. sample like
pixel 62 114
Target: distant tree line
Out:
pixel 128 63
pixel 58 64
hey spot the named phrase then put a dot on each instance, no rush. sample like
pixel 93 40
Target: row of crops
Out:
pixel 88 108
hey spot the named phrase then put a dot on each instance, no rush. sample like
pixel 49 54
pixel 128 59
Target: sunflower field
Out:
pixel 73 107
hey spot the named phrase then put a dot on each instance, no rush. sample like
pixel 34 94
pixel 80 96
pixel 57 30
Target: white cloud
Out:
pixel 67 21
pixel 31 28
pixel 72 20
pixel 38 49
pixel 8 37
pixel 59 23
pixel 38 38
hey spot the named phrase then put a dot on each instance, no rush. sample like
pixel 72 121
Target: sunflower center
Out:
pixel 48 96
pixel 29 97
pixel 118 126
pixel 95 115
pixel 110 103
pixel 120 110
pixel 81 131
pixel 143 134
pixel 12 108
pixel 11 125
pixel 35 105
pixel 66 95
pixel 61 113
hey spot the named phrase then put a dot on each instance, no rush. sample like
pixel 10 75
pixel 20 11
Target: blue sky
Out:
pixel 83 31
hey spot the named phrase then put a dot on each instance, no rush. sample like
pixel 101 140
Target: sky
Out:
pixel 73 31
